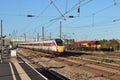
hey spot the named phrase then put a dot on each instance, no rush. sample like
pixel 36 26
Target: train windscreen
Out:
pixel 59 42
pixel 97 42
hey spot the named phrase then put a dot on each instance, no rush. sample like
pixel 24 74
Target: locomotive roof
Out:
pixel 46 41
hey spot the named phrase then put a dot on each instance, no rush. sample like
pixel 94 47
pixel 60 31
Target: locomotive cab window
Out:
pixel 59 42
pixel 97 42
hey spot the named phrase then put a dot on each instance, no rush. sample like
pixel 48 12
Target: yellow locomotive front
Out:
pixel 60 46
pixel 97 45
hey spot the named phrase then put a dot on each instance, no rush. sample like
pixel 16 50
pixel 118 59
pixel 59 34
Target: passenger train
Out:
pixel 50 46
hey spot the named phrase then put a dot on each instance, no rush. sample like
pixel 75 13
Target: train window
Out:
pixel 59 42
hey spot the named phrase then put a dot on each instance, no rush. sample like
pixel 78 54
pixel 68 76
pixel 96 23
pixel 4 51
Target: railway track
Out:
pixel 113 74
pixel 100 69
pixel 112 55
pixel 49 74
pixel 86 61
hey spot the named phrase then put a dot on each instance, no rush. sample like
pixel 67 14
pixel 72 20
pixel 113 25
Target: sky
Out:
pixel 98 19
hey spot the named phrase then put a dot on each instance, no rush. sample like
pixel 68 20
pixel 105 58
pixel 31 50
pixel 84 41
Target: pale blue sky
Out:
pixel 86 27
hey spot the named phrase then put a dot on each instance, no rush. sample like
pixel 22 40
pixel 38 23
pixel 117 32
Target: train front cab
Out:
pixel 98 45
pixel 60 46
